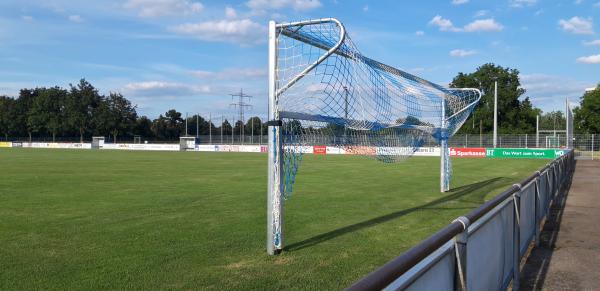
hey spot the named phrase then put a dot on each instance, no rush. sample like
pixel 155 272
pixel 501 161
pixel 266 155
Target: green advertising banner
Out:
pixel 523 153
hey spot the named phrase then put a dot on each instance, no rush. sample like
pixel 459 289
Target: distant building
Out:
pixel 590 89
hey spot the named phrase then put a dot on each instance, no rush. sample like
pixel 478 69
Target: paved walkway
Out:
pixel 568 257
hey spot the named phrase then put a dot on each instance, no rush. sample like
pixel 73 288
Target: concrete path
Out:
pixel 568 257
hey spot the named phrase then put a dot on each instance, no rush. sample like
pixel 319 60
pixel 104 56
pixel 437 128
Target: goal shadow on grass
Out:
pixel 473 194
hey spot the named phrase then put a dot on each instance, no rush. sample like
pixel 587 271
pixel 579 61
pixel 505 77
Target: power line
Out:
pixel 241 105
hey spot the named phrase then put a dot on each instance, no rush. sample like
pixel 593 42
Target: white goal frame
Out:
pixel 275 201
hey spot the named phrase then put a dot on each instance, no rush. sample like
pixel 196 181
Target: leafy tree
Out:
pixel 238 129
pixel 21 113
pixel 253 126
pixel 226 126
pixel 587 115
pixel 82 100
pixel 7 108
pixel 143 127
pixel 202 124
pixel 47 111
pixel 553 120
pixel 121 115
pixel 514 116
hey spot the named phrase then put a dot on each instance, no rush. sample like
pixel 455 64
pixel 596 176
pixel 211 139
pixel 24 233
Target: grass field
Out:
pixel 75 219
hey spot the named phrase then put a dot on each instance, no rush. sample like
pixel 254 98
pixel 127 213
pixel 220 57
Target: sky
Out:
pixel 191 55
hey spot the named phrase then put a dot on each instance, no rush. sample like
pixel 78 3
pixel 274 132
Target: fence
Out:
pixel 483 249
pixel 587 146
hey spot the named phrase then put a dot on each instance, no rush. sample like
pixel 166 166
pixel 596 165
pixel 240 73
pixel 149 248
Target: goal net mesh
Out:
pixel 329 94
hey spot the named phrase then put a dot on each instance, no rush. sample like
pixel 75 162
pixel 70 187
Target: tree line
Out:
pixel 517 115
pixel 81 111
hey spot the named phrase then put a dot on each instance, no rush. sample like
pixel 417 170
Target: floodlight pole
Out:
pixel 274 197
pixel 186 129
pixel 210 128
pixel 537 131
pixel 222 123
pixel 197 124
pixel 495 113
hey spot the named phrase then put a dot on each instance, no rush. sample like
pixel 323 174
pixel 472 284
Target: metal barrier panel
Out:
pixel 544 195
pixel 490 249
pixel 527 219
pixel 490 252
pixel 436 272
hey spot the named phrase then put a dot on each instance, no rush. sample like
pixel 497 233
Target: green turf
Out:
pixel 75 219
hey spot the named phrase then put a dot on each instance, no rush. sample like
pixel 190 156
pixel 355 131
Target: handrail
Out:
pixel 389 272
pixel 386 274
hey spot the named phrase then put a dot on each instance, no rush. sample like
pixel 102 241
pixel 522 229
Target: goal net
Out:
pixel 323 91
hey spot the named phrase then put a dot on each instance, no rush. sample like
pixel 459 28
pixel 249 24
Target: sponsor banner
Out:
pixel 427 152
pixel 334 151
pixel 264 149
pixel 5 144
pixel 524 153
pixel 140 147
pixel 361 150
pixel 17 144
pixel 206 148
pixel 250 149
pixel 468 152
pixel 320 150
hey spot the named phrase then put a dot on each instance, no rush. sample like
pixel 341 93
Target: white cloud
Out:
pixel 27 17
pixel 230 12
pixel 459 2
pixel 522 3
pixel 577 2
pixel 244 31
pixel 593 59
pixel 460 53
pixel 481 13
pixel 366 8
pixel 443 24
pixel 483 25
pixel 233 73
pixel 164 89
pixel 75 18
pixel 597 5
pixel 261 5
pixel 478 25
pixel 549 91
pixel 419 33
pixel 592 42
pixel 577 25
pixel 157 8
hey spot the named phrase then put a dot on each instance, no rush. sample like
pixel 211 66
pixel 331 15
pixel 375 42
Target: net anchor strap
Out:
pixel 274 123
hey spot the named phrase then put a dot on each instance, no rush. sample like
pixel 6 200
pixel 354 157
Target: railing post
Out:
pixel 516 239
pixel 460 247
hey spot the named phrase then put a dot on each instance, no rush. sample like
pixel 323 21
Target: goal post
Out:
pixel 324 92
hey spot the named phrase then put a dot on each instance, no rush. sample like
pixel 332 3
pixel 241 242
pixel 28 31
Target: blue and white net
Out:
pixel 329 94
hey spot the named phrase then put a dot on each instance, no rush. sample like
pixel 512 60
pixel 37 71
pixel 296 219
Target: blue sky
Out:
pixel 190 55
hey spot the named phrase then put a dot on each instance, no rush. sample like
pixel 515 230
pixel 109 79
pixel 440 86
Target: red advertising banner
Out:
pixel 320 150
pixel 467 152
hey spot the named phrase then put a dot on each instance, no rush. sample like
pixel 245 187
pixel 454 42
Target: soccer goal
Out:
pixel 323 91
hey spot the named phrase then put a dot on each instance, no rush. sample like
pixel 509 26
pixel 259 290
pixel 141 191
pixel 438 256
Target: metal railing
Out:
pixel 483 249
